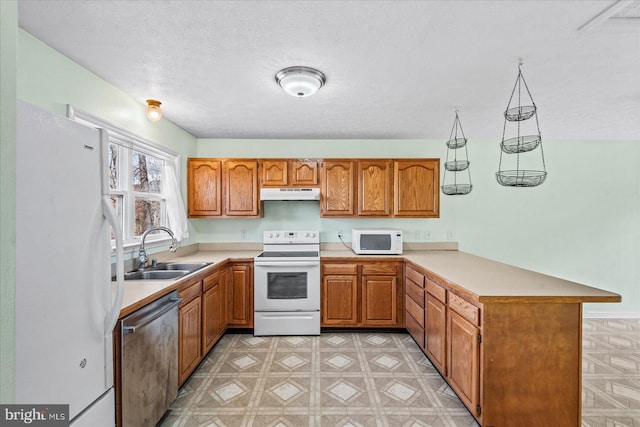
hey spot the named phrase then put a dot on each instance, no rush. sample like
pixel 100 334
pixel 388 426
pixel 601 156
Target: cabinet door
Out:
pixel 240 298
pixel 304 173
pixel 339 300
pixel 223 285
pixel 416 190
pixel 211 318
pixel 336 194
pixel 241 188
pixel 464 357
pixel 374 188
pixel 189 333
pixel 274 173
pixel 436 332
pixel 204 185
pixel 379 301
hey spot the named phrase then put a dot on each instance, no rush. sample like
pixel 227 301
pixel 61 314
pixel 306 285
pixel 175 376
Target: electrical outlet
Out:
pixel 339 234
pixel 243 234
pixel 450 235
pixel 418 236
pixel 427 235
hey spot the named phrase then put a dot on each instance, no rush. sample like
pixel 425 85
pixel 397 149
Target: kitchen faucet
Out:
pixel 142 255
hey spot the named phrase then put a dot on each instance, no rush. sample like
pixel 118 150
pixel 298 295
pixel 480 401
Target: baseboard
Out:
pixel 611 315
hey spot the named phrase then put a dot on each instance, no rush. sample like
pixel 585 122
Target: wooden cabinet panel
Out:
pixel 415 311
pixel 465 309
pixel 436 290
pixel 436 332
pixel 240 296
pixel 386 268
pixel 274 173
pixel 416 190
pixel 374 188
pixel 211 311
pixel 415 292
pixel 241 188
pixel 339 300
pixel 340 269
pixel 379 300
pixel 463 360
pixel 336 194
pixel 189 333
pixel 415 276
pixel 204 184
pixel 415 330
pixel 304 173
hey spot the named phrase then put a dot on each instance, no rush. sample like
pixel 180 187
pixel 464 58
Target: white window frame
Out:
pixel 128 142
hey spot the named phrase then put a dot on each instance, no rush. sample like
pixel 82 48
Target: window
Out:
pixel 139 185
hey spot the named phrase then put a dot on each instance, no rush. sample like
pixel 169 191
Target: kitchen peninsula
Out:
pixel 506 339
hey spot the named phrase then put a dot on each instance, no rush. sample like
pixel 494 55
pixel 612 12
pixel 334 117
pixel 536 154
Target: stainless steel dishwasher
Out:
pixel 150 361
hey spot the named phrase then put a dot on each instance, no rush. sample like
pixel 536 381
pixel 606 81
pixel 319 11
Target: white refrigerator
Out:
pixel 65 310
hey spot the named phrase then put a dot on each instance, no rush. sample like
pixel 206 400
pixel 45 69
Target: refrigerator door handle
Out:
pixel 112 317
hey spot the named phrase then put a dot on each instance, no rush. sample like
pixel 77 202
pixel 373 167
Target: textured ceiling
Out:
pixel 395 69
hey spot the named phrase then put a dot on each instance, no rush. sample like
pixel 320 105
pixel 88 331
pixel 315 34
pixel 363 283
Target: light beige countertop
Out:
pixel 480 278
pixel 138 293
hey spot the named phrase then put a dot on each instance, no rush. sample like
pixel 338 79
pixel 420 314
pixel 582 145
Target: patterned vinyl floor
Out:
pixel 378 379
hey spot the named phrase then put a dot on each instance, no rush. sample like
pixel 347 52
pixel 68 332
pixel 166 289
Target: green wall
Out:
pixel 8 34
pixel 580 225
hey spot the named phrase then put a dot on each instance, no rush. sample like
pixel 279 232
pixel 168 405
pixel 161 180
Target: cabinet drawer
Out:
pixel 415 276
pixel 415 330
pixel 465 309
pixel 209 282
pixel 414 310
pixel 437 291
pixel 379 268
pixel 415 292
pixel 340 269
pixel 190 293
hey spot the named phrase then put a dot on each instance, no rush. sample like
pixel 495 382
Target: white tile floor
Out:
pixel 379 379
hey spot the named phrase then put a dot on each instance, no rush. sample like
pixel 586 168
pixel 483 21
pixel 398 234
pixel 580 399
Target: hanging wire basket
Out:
pixel 517 114
pixel 457 165
pixel 456 143
pixel 456 140
pixel 457 189
pixel 521 178
pixel 520 144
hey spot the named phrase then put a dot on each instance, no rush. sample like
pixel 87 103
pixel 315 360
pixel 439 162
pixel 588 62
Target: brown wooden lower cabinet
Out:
pixel 366 294
pixel 189 337
pixel 240 295
pixel 511 362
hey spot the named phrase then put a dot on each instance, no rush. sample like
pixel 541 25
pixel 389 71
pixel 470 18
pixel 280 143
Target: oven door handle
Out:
pixel 287 264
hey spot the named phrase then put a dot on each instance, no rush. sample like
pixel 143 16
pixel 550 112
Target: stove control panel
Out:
pixel 291 237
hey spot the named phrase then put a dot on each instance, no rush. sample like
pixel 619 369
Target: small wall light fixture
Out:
pixel 153 110
pixel 300 81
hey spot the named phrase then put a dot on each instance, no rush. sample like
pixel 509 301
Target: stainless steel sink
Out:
pixel 188 266
pixel 165 271
pixel 155 274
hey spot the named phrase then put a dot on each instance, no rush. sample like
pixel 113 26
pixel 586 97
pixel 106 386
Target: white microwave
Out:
pixel 376 241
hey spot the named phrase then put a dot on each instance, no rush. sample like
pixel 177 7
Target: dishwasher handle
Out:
pixel 152 316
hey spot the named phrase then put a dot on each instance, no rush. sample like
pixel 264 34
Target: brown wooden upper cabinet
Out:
pixel 416 188
pixel 222 188
pixel 241 188
pixel 204 185
pixel 289 173
pixel 374 187
pixel 336 193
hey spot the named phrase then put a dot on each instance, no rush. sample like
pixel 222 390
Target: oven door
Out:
pixel 287 286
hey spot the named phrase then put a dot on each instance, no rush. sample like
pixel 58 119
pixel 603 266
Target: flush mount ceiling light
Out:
pixel 153 110
pixel 300 81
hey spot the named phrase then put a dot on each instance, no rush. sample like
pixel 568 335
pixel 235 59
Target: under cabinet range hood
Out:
pixel 289 194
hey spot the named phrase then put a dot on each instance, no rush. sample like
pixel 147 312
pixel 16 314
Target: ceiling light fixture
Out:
pixel 300 81
pixel 153 110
